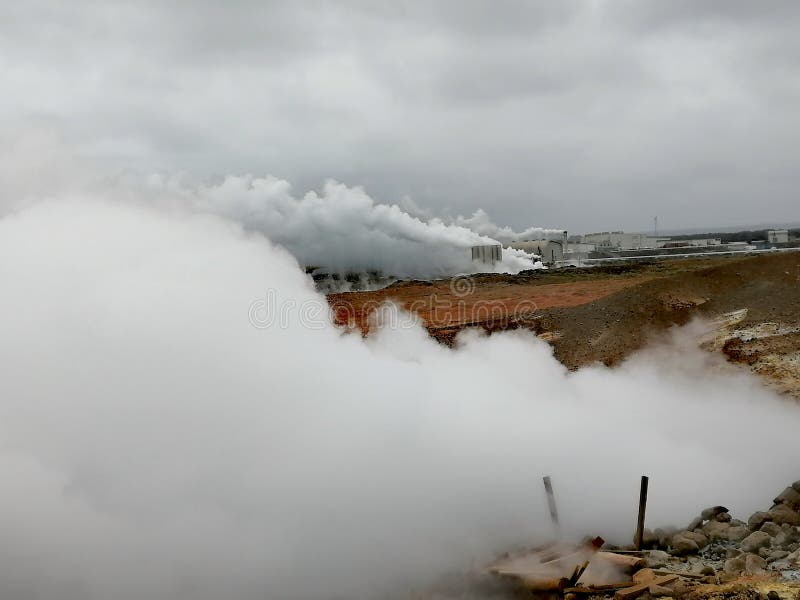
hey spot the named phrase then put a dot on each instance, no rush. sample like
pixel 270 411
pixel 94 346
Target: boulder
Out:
pixel 754 564
pixel 757 519
pixel 716 530
pixel 737 533
pixel 777 555
pixel 710 513
pixel 773 595
pixel 700 539
pixel 755 541
pixel 786 536
pixel 788 496
pixel 732 553
pixel 657 559
pixel 708 570
pixel 793 559
pixel 770 528
pixel 734 565
pixel 683 545
pixel 783 513
pixel 723 518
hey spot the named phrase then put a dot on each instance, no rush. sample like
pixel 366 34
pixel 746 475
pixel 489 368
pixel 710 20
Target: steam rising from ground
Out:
pixel 153 443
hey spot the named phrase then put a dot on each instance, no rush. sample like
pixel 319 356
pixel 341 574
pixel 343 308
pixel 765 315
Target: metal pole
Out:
pixel 551 500
pixel 642 509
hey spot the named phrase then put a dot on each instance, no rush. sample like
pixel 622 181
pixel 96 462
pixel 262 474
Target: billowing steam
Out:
pixel 343 230
pixel 154 443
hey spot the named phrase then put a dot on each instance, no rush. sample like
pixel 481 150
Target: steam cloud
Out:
pixel 153 443
pixel 342 229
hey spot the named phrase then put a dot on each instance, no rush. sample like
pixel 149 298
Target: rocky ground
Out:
pixel 716 543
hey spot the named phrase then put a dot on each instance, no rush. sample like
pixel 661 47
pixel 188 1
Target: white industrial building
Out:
pixel 619 240
pixel 778 236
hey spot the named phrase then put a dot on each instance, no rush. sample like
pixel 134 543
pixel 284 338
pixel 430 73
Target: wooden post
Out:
pixel 551 500
pixel 642 509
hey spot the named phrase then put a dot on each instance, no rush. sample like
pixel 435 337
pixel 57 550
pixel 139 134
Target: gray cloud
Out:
pixel 585 115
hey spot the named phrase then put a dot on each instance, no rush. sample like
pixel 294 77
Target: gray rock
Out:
pixel 657 559
pixel 788 496
pixel 716 530
pixel 777 555
pixel 755 541
pixel 734 565
pixel 770 528
pixel 782 513
pixel 683 544
pixel 793 559
pixel 786 536
pixel 709 513
pixel 754 564
pixel 700 539
pixel 723 518
pixel 737 533
pixel 757 519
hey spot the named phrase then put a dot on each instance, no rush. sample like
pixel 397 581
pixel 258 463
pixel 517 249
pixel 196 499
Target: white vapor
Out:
pixel 154 443
pixel 342 229
pixel 481 223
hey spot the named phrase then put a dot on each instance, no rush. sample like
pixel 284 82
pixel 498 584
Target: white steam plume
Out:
pixel 155 443
pixel 481 223
pixel 342 229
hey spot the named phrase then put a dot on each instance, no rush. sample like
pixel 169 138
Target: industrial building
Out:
pixel 619 240
pixel 778 236
pixel 551 251
pixel 487 254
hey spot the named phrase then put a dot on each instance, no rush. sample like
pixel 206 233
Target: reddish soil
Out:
pixel 459 302
pixel 604 314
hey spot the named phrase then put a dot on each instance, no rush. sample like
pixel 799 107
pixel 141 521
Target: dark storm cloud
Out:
pixel 586 115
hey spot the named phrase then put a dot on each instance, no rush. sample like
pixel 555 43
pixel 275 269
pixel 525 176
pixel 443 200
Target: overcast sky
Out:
pixel 585 115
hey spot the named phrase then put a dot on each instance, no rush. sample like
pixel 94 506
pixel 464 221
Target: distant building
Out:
pixel 778 236
pixel 619 240
pixel 695 242
pixel 551 251
pixel 488 254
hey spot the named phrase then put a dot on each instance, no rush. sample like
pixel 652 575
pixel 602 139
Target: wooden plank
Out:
pixel 593 589
pixel 637 590
pixel 679 574
pixel 623 560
